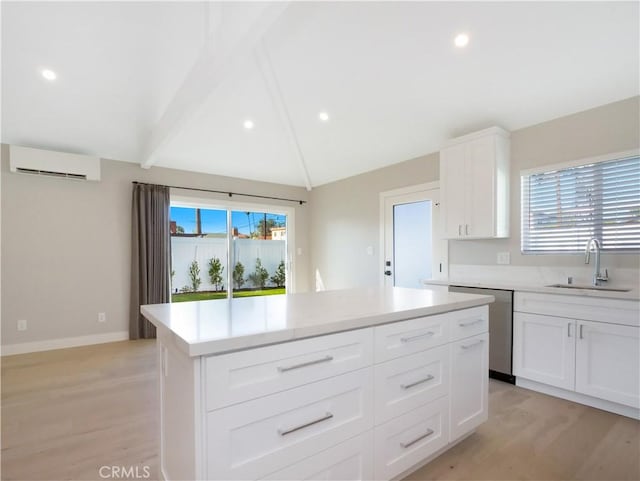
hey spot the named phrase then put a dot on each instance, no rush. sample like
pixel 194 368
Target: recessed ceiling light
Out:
pixel 323 116
pixel 461 40
pixel 49 74
pixel 248 124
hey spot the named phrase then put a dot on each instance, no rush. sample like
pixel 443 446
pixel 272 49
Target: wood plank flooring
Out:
pixel 67 413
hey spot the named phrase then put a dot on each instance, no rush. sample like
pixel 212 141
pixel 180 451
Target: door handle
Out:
pixel 466 229
pixel 459 229
pixel 387 273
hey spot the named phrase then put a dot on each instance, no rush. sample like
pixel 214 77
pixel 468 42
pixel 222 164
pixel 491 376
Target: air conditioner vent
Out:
pixel 67 175
pixel 26 160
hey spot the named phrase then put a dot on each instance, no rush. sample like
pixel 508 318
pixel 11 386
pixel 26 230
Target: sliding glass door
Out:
pixel 259 253
pixel 217 252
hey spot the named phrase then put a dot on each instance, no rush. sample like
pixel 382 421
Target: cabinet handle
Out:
pixel 466 229
pixel 459 229
pixel 284 432
pixel 305 364
pixel 569 330
pixel 470 323
pixel 581 326
pixel 409 386
pixel 415 338
pixel 469 346
pixel 419 438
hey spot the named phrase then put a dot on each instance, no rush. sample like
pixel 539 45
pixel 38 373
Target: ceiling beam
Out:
pixel 277 99
pixel 223 46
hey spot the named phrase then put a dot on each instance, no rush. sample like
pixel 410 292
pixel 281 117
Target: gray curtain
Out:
pixel 150 255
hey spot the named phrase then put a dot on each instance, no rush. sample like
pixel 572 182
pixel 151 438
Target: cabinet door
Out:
pixel 469 384
pixel 608 362
pixel 453 186
pixel 544 349
pixel 480 190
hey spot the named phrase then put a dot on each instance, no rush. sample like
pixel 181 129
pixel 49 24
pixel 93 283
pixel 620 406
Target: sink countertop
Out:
pixel 223 325
pixel 632 295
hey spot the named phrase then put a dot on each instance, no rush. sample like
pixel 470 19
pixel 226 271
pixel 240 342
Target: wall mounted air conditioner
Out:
pixel 55 164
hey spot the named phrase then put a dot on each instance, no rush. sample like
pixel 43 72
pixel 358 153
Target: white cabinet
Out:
pixel 351 460
pixel 469 384
pixel 371 403
pixel 544 349
pixel 267 434
pixel 608 362
pixel 474 183
pixel 408 439
pixel 591 347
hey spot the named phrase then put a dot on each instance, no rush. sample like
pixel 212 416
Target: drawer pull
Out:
pixel 409 386
pixel 469 346
pixel 284 432
pixel 470 323
pixel 305 364
pixel 415 338
pixel 419 438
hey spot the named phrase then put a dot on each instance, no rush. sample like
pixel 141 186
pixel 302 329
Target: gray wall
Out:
pixel 345 214
pixel 345 221
pixel 66 246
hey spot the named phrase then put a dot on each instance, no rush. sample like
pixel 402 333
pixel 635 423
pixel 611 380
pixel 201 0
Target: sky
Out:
pixel 215 221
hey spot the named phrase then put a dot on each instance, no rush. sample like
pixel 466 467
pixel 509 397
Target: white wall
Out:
pixel 345 216
pixel 66 246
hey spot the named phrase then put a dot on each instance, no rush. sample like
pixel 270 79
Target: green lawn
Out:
pixel 204 296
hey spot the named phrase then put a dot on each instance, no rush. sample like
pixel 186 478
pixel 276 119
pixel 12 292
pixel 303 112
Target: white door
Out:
pixel 469 384
pixel 479 189
pixel 455 183
pixel 608 362
pixel 544 349
pixel 414 248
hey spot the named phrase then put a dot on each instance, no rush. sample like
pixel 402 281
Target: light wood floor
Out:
pixel 67 413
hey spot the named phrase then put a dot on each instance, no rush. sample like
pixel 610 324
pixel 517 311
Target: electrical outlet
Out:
pixel 504 258
pixel 22 325
pixel 102 316
pixel 369 250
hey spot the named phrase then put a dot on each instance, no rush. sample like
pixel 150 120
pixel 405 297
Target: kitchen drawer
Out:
pixel 261 436
pixel 349 461
pixel 614 311
pixel 404 384
pixel 409 337
pixel 407 440
pixel 469 322
pixel 244 375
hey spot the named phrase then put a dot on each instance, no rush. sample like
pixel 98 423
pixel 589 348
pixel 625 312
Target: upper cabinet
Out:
pixel 474 184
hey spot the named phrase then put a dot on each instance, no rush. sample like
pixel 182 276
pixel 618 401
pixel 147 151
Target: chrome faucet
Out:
pixel 598 278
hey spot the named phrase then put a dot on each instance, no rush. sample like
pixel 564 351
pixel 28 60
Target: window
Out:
pixel 563 208
pixel 220 251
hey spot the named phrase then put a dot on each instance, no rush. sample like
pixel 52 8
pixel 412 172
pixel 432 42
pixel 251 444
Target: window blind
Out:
pixel 563 209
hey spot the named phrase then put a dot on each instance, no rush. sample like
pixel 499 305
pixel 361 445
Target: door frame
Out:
pixel 412 189
pixel 179 200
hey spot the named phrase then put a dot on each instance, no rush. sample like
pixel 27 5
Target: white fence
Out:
pixel 184 250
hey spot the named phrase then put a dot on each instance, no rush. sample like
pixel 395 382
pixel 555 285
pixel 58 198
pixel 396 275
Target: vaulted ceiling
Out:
pixel 173 83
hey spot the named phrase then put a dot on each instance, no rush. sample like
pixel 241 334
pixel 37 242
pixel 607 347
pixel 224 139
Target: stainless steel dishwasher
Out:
pixel 500 331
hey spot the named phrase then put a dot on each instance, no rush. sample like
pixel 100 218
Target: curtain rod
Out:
pixel 230 194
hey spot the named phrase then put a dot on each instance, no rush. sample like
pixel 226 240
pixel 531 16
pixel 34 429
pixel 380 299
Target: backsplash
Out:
pixel 540 275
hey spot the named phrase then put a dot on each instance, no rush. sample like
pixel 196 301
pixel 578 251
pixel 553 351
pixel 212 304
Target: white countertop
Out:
pixel 632 295
pixel 217 326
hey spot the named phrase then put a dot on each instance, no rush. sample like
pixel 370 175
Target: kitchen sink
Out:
pixel 592 288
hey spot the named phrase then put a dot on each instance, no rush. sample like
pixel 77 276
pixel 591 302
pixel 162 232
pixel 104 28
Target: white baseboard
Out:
pixel 577 397
pixel 63 343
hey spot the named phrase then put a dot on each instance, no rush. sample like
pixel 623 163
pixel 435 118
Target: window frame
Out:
pixel 181 200
pixel 565 166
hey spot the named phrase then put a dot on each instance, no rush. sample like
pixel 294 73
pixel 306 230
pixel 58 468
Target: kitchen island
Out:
pixel 350 384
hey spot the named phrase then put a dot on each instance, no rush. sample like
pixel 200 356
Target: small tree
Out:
pixel 238 275
pixel 215 272
pixel 194 276
pixel 259 276
pixel 280 276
